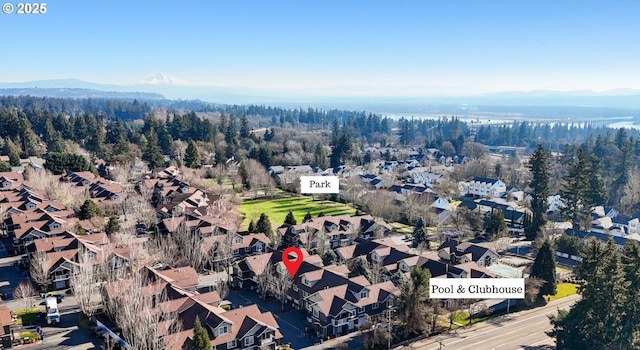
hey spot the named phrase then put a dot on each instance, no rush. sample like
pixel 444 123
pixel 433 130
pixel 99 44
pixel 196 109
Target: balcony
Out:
pixel 266 341
pixel 59 278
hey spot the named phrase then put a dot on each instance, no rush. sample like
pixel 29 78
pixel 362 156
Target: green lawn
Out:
pixel 564 290
pixel 278 207
pixel 461 318
pixel 402 228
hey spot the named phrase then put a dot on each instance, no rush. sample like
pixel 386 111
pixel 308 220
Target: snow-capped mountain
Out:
pixel 162 79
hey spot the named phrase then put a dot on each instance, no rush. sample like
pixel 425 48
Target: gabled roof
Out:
pixel 5 318
pixel 485 179
pixel 462 248
pixel 599 236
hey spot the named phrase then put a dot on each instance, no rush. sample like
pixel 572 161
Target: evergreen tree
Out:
pixel 264 225
pixel 252 227
pixel 574 192
pixel 420 234
pixel 307 217
pixel 496 227
pixel 113 225
pixel 121 146
pixel 597 192
pixel 290 219
pixel 358 267
pixel 598 319
pixel 244 127
pixel 201 340
pixel 53 138
pixel 244 176
pixel 329 257
pixel 12 151
pixel 414 302
pixel 61 163
pixel 539 166
pixel 630 262
pixel 4 166
pixel 192 158
pixel 341 151
pixel 544 267
pixel 88 210
pixel 152 153
pixel 320 156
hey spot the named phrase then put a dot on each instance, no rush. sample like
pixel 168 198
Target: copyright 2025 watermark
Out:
pixel 25 8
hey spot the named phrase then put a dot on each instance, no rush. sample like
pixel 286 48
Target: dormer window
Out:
pixel 54 226
pixel 364 294
pixel 237 240
pixel 30 205
pixel 91 255
pixel 248 341
pixel 115 197
pixel 223 330
pixel 6 184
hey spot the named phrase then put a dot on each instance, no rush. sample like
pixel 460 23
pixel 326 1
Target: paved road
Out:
pixel 523 330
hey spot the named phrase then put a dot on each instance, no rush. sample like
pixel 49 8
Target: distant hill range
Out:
pixel 163 86
pixel 80 93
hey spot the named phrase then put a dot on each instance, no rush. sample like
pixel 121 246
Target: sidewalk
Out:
pixel 424 341
pixel 331 343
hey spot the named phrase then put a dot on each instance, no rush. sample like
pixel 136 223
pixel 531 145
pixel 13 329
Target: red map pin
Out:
pixel 292 265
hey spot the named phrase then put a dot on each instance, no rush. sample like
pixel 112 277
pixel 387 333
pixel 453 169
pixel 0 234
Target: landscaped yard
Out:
pixel 564 290
pixel 278 207
pixel 460 319
pixel 28 316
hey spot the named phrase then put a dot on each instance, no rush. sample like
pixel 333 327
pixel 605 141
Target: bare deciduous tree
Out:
pixel 264 280
pixel 281 283
pixel 259 178
pixel 532 286
pixel 25 292
pixel 45 181
pixel 85 283
pixel 136 306
pixel 374 272
pixel 222 288
pixel 39 269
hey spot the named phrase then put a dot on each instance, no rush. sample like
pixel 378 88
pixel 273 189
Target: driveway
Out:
pixel 291 321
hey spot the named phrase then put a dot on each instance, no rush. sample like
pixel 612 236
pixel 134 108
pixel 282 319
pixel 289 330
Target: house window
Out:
pixel 295 287
pixel 248 341
pixel 247 249
pixel 316 313
pixel 390 303
pixel 223 330
pixel 375 305
pixel 231 344
pixel 91 255
pixel 259 248
pixel 364 294
pixel 361 310
pixel 236 251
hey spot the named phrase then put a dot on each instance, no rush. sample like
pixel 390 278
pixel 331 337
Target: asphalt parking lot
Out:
pixel 291 321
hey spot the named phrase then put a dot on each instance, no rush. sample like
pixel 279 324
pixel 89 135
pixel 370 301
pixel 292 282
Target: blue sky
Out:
pixel 347 47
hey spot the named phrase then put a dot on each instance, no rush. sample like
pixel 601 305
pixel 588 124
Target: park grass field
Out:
pixel 277 208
